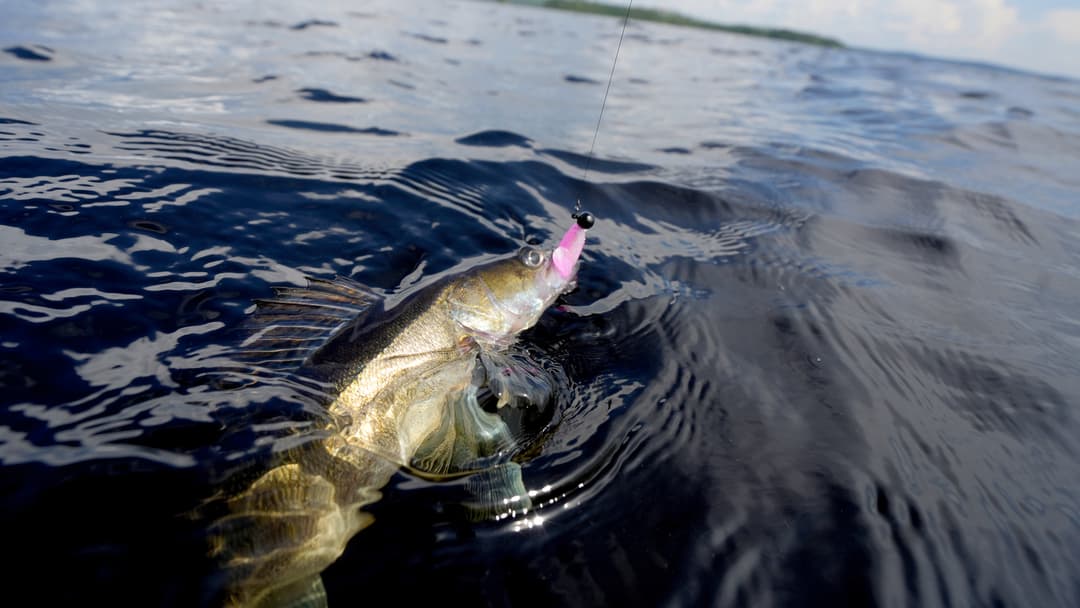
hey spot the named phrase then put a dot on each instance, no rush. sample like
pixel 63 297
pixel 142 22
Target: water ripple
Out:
pixel 821 349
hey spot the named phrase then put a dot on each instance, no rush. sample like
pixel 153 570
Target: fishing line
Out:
pixel 603 104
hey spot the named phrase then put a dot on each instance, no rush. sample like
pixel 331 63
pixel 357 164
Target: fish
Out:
pixel 404 389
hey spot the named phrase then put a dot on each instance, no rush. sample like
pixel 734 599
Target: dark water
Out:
pixel 823 351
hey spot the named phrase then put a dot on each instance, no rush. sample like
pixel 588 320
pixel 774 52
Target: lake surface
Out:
pixel 823 349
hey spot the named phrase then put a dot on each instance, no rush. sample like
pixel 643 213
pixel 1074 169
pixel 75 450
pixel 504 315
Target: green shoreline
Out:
pixel 672 18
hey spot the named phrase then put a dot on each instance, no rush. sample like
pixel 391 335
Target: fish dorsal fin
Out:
pixel 286 329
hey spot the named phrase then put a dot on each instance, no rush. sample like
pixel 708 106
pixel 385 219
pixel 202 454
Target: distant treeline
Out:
pixel 660 16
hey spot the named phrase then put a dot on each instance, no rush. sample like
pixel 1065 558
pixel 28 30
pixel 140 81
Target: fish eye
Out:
pixel 531 256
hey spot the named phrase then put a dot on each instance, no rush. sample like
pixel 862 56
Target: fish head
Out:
pixel 495 302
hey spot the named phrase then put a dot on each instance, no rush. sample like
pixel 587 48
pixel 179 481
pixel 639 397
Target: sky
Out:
pixel 1037 35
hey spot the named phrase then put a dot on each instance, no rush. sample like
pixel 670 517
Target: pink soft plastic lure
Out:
pixel 566 255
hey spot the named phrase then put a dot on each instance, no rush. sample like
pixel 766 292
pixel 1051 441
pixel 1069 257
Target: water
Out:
pixel 823 350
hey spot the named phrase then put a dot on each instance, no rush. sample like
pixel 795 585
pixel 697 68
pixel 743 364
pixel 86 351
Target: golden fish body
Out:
pixel 406 396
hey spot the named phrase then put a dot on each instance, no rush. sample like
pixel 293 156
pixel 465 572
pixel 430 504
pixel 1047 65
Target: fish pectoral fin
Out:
pixel 304 593
pixel 497 492
pixel 468 439
pixel 515 380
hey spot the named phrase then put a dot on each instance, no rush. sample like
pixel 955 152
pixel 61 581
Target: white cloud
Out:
pixel 1065 26
pixel 998 19
pixel 984 30
pixel 973 28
